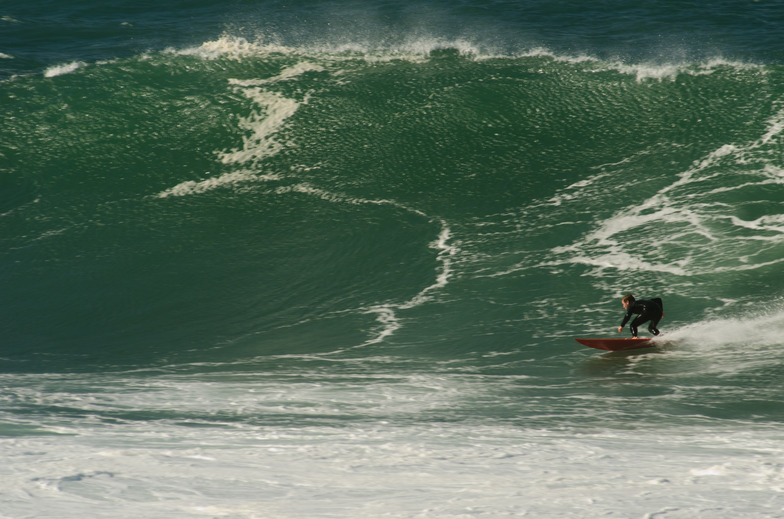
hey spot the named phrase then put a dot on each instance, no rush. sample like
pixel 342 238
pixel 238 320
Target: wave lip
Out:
pixel 416 47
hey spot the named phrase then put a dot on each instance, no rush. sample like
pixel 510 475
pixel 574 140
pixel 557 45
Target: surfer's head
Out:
pixel 627 301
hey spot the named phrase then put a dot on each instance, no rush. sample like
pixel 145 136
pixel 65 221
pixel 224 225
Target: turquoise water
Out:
pixel 266 259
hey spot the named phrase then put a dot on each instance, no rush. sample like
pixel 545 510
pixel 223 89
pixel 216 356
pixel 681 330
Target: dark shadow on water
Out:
pixel 626 363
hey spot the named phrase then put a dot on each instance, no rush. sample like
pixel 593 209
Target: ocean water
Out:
pixel 266 259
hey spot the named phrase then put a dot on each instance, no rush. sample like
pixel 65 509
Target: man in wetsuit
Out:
pixel 648 310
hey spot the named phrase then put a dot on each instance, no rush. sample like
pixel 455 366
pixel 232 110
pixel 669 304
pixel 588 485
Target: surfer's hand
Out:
pixel 620 329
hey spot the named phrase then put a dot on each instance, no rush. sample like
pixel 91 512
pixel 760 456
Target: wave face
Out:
pixel 239 199
pixel 352 243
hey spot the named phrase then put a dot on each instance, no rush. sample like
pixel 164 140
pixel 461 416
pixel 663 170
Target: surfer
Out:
pixel 648 310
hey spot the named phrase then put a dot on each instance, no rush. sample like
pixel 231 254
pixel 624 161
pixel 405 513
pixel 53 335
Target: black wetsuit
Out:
pixel 648 310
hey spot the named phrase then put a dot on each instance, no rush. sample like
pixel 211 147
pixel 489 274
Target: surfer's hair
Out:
pixel 629 298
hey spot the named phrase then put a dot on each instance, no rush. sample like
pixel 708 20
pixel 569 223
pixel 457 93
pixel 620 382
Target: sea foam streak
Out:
pixel 262 126
pixel 386 314
pixel 236 179
pixel 685 212
pixel 259 141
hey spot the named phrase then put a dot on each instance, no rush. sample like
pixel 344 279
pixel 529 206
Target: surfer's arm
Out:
pixel 625 319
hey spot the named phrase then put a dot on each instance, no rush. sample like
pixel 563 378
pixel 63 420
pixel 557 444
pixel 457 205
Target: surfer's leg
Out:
pixel 653 327
pixel 635 323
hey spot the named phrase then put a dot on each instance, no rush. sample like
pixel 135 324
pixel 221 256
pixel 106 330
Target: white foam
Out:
pixel 239 48
pixel 394 465
pixel 5 56
pixel 649 71
pixel 419 47
pixel 688 215
pixel 624 261
pixel 67 68
pixel 775 129
pixel 715 470
pixel 446 251
pixel 262 125
pixel 415 48
pixel 269 115
pixel 233 47
pixel 773 223
pixel 386 317
pixel 671 70
pixel 237 178
pixel 573 191
pixel 287 74
pixel 333 197
pixel 760 330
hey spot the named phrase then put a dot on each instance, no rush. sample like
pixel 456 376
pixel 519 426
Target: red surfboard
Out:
pixel 616 344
